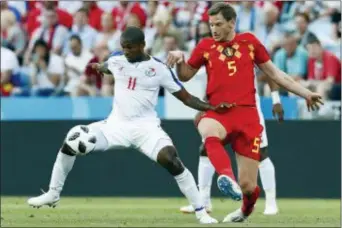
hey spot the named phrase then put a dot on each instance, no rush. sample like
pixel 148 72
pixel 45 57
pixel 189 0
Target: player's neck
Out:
pixel 140 58
pixel 230 36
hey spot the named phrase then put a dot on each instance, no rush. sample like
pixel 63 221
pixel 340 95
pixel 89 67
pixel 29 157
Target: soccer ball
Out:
pixel 81 139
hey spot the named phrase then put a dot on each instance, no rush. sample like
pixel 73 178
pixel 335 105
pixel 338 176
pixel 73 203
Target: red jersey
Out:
pixel 230 67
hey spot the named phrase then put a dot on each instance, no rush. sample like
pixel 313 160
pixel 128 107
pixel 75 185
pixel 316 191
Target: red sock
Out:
pixel 249 201
pixel 219 157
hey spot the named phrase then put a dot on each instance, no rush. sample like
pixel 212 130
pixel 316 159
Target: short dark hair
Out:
pixel 227 11
pixel 305 16
pixel 42 43
pixel 75 37
pixel 82 10
pixel 312 39
pixel 133 35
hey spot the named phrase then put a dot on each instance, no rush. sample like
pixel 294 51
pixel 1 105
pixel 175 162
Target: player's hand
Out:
pixel 314 101
pixel 174 57
pixel 94 66
pixel 223 107
pixel 278 112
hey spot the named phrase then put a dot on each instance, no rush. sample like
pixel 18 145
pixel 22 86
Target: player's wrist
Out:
pixel 275 97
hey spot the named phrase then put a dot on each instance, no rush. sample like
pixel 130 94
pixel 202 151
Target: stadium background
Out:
pixel 42 97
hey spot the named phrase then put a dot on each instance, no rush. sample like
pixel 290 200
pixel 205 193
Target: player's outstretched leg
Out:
pixel 64 162
pixel 268 180
pixel 206 173
pixel 168 158
pixel 248 174
pixel 213 133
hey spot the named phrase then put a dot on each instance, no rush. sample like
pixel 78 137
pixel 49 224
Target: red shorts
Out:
pixel 243 129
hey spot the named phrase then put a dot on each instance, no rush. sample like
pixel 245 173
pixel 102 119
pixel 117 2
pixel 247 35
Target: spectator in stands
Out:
pixel 324 70
pixel 93 83
pixel 5 6
pixel 270 32
pixel 249 18
pixel 70 6
pixel 122 12
pixel 51 32
pixel 83 30
pixel 169 44
pixel 46 70
pixel 292 58
pixel 12 34
pixel 150 30
pixel 202 30
pixel 94 14
pixel 134 21
pixel 9 64
pixel 109 35
pixel 75 64
pixel 36 17
pixel 302 25
pixel 163 22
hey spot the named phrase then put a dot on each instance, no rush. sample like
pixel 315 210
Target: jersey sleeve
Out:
pixel 170 82
pixel 197 58
pixel 260 52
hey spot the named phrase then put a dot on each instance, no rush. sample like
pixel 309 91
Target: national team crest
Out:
pixel 151 72
pixel 229 52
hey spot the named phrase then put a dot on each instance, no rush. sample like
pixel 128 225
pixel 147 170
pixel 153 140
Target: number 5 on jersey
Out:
pixel 232 67
pixel 132 82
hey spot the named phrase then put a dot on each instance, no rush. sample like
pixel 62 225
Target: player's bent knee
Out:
pixel 211 128
pixel 168 158
pixel 263 153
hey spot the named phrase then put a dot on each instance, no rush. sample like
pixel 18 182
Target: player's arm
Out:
pixel 187 70
pixel 101 67
pixel 262 59
pixel 282 79
pixel 194 102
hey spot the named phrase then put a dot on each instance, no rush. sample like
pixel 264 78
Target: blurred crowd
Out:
pixel 47 45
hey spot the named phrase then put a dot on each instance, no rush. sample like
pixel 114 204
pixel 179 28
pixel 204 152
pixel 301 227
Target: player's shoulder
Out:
pixel 160 66
pixel 117 55
pixel 206 42
pixel 247 37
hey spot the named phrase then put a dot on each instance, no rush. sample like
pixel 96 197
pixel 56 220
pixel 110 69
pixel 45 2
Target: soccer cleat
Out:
pixel 236 216
pixel 47 198
pixel 271 209
pixel 229 187
pixel 204 217
pixel 190 209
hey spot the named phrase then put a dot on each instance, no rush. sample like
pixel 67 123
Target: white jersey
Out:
pixel 137 87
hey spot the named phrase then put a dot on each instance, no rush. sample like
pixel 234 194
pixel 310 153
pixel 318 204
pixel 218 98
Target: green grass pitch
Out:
pixel 150 212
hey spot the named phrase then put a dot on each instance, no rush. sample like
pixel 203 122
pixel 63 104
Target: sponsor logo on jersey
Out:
pixel 229 52
pixel 151 72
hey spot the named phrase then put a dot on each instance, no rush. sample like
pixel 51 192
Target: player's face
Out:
pixel 220 28
pixel 132 51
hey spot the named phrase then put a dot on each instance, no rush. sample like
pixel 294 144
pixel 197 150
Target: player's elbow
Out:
pixel 184 78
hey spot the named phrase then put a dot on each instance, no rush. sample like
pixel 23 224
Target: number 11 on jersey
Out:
pixel 132 83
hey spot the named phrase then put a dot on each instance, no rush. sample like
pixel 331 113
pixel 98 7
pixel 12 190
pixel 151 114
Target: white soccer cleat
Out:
pixel 204 217
pixel 271 209
pixel 236 216
pixel 48 199
pixel 190 209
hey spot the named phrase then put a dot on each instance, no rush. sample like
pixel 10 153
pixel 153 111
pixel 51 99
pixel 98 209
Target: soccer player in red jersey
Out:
pixel 229 59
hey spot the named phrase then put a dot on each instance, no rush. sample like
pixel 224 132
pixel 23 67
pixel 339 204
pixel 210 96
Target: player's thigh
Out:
pixel 212 125
pixel 152 139
pixel 109 136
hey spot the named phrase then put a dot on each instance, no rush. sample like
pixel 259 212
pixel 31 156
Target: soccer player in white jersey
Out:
pixel 133 121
